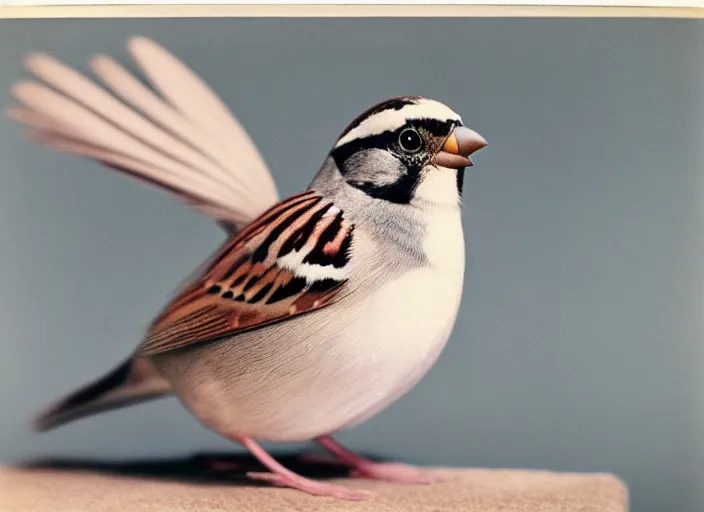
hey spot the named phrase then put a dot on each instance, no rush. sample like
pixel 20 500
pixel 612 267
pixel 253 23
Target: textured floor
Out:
pixel 186 485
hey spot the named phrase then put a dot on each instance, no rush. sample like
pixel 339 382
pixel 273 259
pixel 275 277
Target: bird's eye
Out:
pixel 410 140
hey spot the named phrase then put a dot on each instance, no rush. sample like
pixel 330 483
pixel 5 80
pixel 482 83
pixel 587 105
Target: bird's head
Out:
pixel 407 148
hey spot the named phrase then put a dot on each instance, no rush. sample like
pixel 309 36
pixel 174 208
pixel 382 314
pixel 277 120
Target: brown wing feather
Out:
pixel 289 261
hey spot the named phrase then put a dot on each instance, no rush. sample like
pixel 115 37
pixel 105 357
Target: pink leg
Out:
pixel 283 477
pixel 362 467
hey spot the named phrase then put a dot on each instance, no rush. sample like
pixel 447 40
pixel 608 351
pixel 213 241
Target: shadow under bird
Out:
pixel 319 310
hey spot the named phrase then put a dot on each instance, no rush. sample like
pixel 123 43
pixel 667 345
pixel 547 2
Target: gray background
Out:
pixel 578 346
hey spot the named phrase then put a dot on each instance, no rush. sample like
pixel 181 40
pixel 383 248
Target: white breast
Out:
pixel 411 318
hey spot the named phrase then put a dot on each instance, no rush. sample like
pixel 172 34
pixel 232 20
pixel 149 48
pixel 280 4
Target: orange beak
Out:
pixel 461 143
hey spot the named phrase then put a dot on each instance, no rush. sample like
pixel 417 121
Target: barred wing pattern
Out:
pixel 291 260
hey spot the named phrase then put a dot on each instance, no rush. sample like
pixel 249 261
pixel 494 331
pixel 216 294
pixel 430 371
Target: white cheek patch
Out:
pixel 389 120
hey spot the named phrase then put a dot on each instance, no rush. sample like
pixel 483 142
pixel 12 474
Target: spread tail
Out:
pixel 166 128
pixel 132 382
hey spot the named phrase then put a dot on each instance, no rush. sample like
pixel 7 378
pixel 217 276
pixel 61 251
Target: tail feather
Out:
pixel 132 382
pixel 169 129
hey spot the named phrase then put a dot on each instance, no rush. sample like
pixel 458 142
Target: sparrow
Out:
pixel 319 310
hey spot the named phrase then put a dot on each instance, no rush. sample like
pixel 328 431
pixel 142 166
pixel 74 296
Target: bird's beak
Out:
pixel 461 143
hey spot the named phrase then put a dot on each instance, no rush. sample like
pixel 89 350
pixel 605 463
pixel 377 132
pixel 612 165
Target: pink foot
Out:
pixel 283 477
pixel 389 472
pixel 392 472
pixel 311 486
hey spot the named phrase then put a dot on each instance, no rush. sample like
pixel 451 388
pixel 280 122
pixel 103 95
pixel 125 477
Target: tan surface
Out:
pixel 466 490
